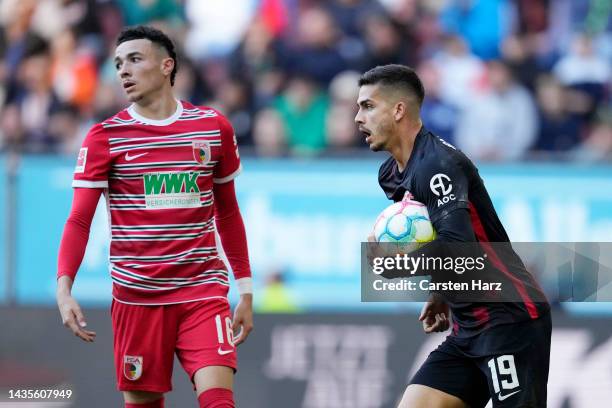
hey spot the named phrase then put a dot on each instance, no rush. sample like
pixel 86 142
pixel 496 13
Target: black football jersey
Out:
pixel 460 209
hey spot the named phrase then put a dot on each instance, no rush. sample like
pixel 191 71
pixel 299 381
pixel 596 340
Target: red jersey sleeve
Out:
pixel 228 166
pixel 93 162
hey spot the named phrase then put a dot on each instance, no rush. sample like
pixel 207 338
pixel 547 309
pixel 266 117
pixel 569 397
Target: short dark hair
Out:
pixel 393 75
pixel 155 36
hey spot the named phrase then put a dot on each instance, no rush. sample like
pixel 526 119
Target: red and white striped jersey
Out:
pixel 158 178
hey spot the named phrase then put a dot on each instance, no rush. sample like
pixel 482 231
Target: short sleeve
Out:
pixel 442 186
pixel 93 161
pixel 228 166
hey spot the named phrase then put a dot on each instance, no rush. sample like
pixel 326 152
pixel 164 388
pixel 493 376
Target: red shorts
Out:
pixel 146 338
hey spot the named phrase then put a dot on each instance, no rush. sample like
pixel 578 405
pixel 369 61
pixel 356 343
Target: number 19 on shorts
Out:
pixel 505 367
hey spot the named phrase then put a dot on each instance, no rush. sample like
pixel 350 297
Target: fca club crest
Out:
pixel 132 367
pixel 201 152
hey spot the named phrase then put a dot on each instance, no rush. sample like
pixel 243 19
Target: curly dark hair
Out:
pixel 155 36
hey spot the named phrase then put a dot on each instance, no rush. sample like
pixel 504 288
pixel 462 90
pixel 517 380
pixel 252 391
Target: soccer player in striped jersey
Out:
pixel 497 350
pixel 166 170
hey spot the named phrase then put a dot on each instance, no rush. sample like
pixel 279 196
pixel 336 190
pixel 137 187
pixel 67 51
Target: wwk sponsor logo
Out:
pixel 171 190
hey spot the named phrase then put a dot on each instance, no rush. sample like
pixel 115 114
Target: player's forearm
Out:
pixel 233 236
pixel 64 285
pixel 76 232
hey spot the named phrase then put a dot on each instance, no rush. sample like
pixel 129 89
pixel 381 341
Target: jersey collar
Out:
pixel 157 122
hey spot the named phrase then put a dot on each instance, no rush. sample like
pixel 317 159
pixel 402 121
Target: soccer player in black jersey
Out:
pixel 496 350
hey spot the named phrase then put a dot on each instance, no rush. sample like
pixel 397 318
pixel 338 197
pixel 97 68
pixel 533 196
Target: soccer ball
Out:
pixel 406 221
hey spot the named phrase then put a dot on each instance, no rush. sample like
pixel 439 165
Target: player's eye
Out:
pixel 135 59
pixel 117 65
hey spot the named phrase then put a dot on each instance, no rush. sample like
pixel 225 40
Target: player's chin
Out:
pixel 133 96
pixel 376 147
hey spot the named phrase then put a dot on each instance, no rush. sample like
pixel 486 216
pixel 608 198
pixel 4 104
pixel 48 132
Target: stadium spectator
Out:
pixel 146 11
pixel 483 23
pixel 33 101
pixel 519 54
pixel 460 71
pixel 216 26
pixel 269 134
pixel 340 128
pixel 74 70
pixel 585 72
pixel 234 99
pixel 65 127
pixel 598 145
pixel 501 123
pixel 384 42
pixel 559 129
pixel 303 107
pixel 438 115
pixel 316 53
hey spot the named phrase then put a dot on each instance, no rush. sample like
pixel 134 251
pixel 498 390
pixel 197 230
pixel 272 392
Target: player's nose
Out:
pixel 359 118
pixel 124 72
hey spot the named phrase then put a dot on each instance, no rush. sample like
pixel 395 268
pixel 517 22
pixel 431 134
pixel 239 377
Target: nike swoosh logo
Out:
pixel 130 158
pixel 503 397
pixel 223 352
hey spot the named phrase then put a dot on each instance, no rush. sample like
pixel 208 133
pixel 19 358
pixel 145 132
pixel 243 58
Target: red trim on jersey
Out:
pixel 481 314
pixel 231 229
pixel 481 235
pixel 76 231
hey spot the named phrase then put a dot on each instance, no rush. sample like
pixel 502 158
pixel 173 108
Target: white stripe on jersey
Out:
pixel 188 135
pixel 132 206
pixel 153 145
pixel 162 237
pixel 202 259
pixel 126 176
pixel 206 194
pixel 160 165
pixel 151 258
pixel 154 288
pixel 158 145
pixel 162 227
pixel 210 273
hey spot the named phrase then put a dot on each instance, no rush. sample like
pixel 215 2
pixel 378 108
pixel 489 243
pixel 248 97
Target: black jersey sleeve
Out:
pixel 442 185
pixel 455 226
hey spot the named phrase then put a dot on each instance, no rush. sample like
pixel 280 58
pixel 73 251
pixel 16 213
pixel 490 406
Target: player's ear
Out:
pixel 167 66
pixel 400 110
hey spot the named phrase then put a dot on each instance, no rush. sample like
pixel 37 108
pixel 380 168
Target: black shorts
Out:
pixel 508 364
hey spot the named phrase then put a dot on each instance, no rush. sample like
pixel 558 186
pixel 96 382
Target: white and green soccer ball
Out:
pixel 406 221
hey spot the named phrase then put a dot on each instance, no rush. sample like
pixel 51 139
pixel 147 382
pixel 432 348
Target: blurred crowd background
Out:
pixel 506 80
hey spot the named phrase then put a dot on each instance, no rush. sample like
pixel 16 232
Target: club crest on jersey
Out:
pixel 201 152
pixel 132 367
